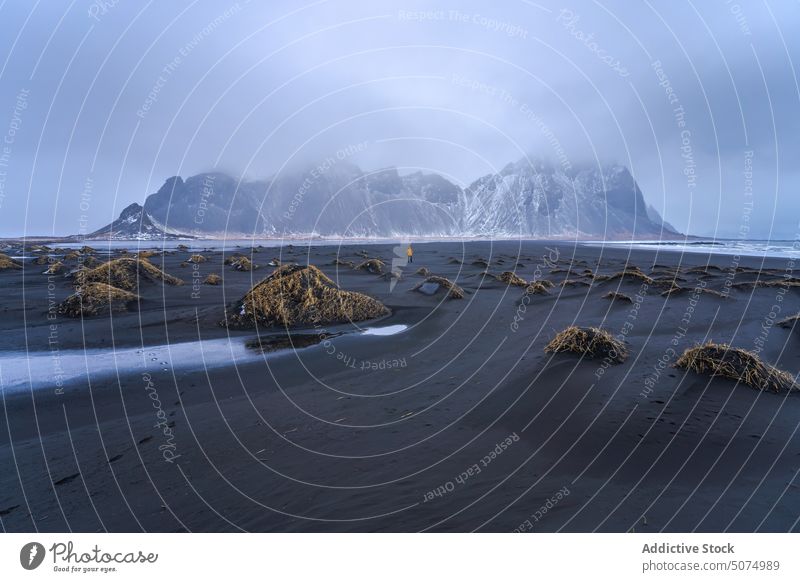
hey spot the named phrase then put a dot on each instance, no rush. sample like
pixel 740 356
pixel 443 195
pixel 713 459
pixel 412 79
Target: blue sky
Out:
pixel 101 101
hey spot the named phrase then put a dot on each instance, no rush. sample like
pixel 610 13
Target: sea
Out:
pixel 750 248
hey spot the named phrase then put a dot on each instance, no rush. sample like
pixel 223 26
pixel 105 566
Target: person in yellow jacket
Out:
pixel 410 254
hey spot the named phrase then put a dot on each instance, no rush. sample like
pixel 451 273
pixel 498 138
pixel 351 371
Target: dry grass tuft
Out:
pixel 7 262
pixel 196 259
pixel 182 247
pixel 96 299
pixel 704 270
pixel 340 262
pixel 213 279
pixel 628 273
pixel 790 321
pixel 537 288
pixel 560 271
pixel 575 283
pixel 232 259
pixel 454 291
pixel 41 260
pixel 782 282
pixel 671 273
pixel 374 266
pixel 672 280
pixel 736 364
pixel 54 269
pixel 510 278
pixel 589 341
pixel 124 274
pixel 677 290
pixel 614 296
pixel 90 262
pixel 86 250
pixel 243 264
pixel 72 256
pixel 423 271
pixel 296 295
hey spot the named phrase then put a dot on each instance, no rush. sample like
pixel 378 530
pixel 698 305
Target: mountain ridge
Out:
pixel 524 199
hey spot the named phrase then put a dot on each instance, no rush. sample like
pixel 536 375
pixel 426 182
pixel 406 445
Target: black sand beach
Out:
pixel 460 422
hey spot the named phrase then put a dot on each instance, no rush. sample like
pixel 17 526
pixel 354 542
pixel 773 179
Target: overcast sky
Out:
pixel 101 101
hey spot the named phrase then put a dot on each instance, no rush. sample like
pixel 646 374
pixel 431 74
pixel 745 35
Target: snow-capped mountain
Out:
pixel 525 199
pixel 539 200
pixel 134 224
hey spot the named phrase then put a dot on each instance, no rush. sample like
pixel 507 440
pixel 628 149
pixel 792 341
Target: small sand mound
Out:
pixel 589 341
pixel 54 269
pixel 704 270
pixel 736 364
pixel 575 283
pixel 147 254
pixel 96 299
pixel 196 259
pixel 90 262
pixel 341 263
pixel 546 283
pixel 629 273
pixel 678 290
pixel 7 262
pixel 510 278
pixel 432 284
pixel 783 282
pixel 561 271
pixel 374 266
pixel 243 264
pixel 789 321
pixel 41 260
pixel 124 274
pixel 481 263
pixel 213 279
pixel 274 263
pixel 423 271
pixel 86 250
pixel 454 261
pixel 72 256
pixel 668 280
pixel 536 288
pixel 182 248
pixel 614 296
pixel 296 295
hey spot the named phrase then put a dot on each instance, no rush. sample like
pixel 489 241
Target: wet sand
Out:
pixel 459 422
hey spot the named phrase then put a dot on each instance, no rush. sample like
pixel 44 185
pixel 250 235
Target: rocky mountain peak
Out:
pixel 529 198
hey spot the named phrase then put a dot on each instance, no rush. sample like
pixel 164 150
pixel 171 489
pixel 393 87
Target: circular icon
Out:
pixel 31 555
